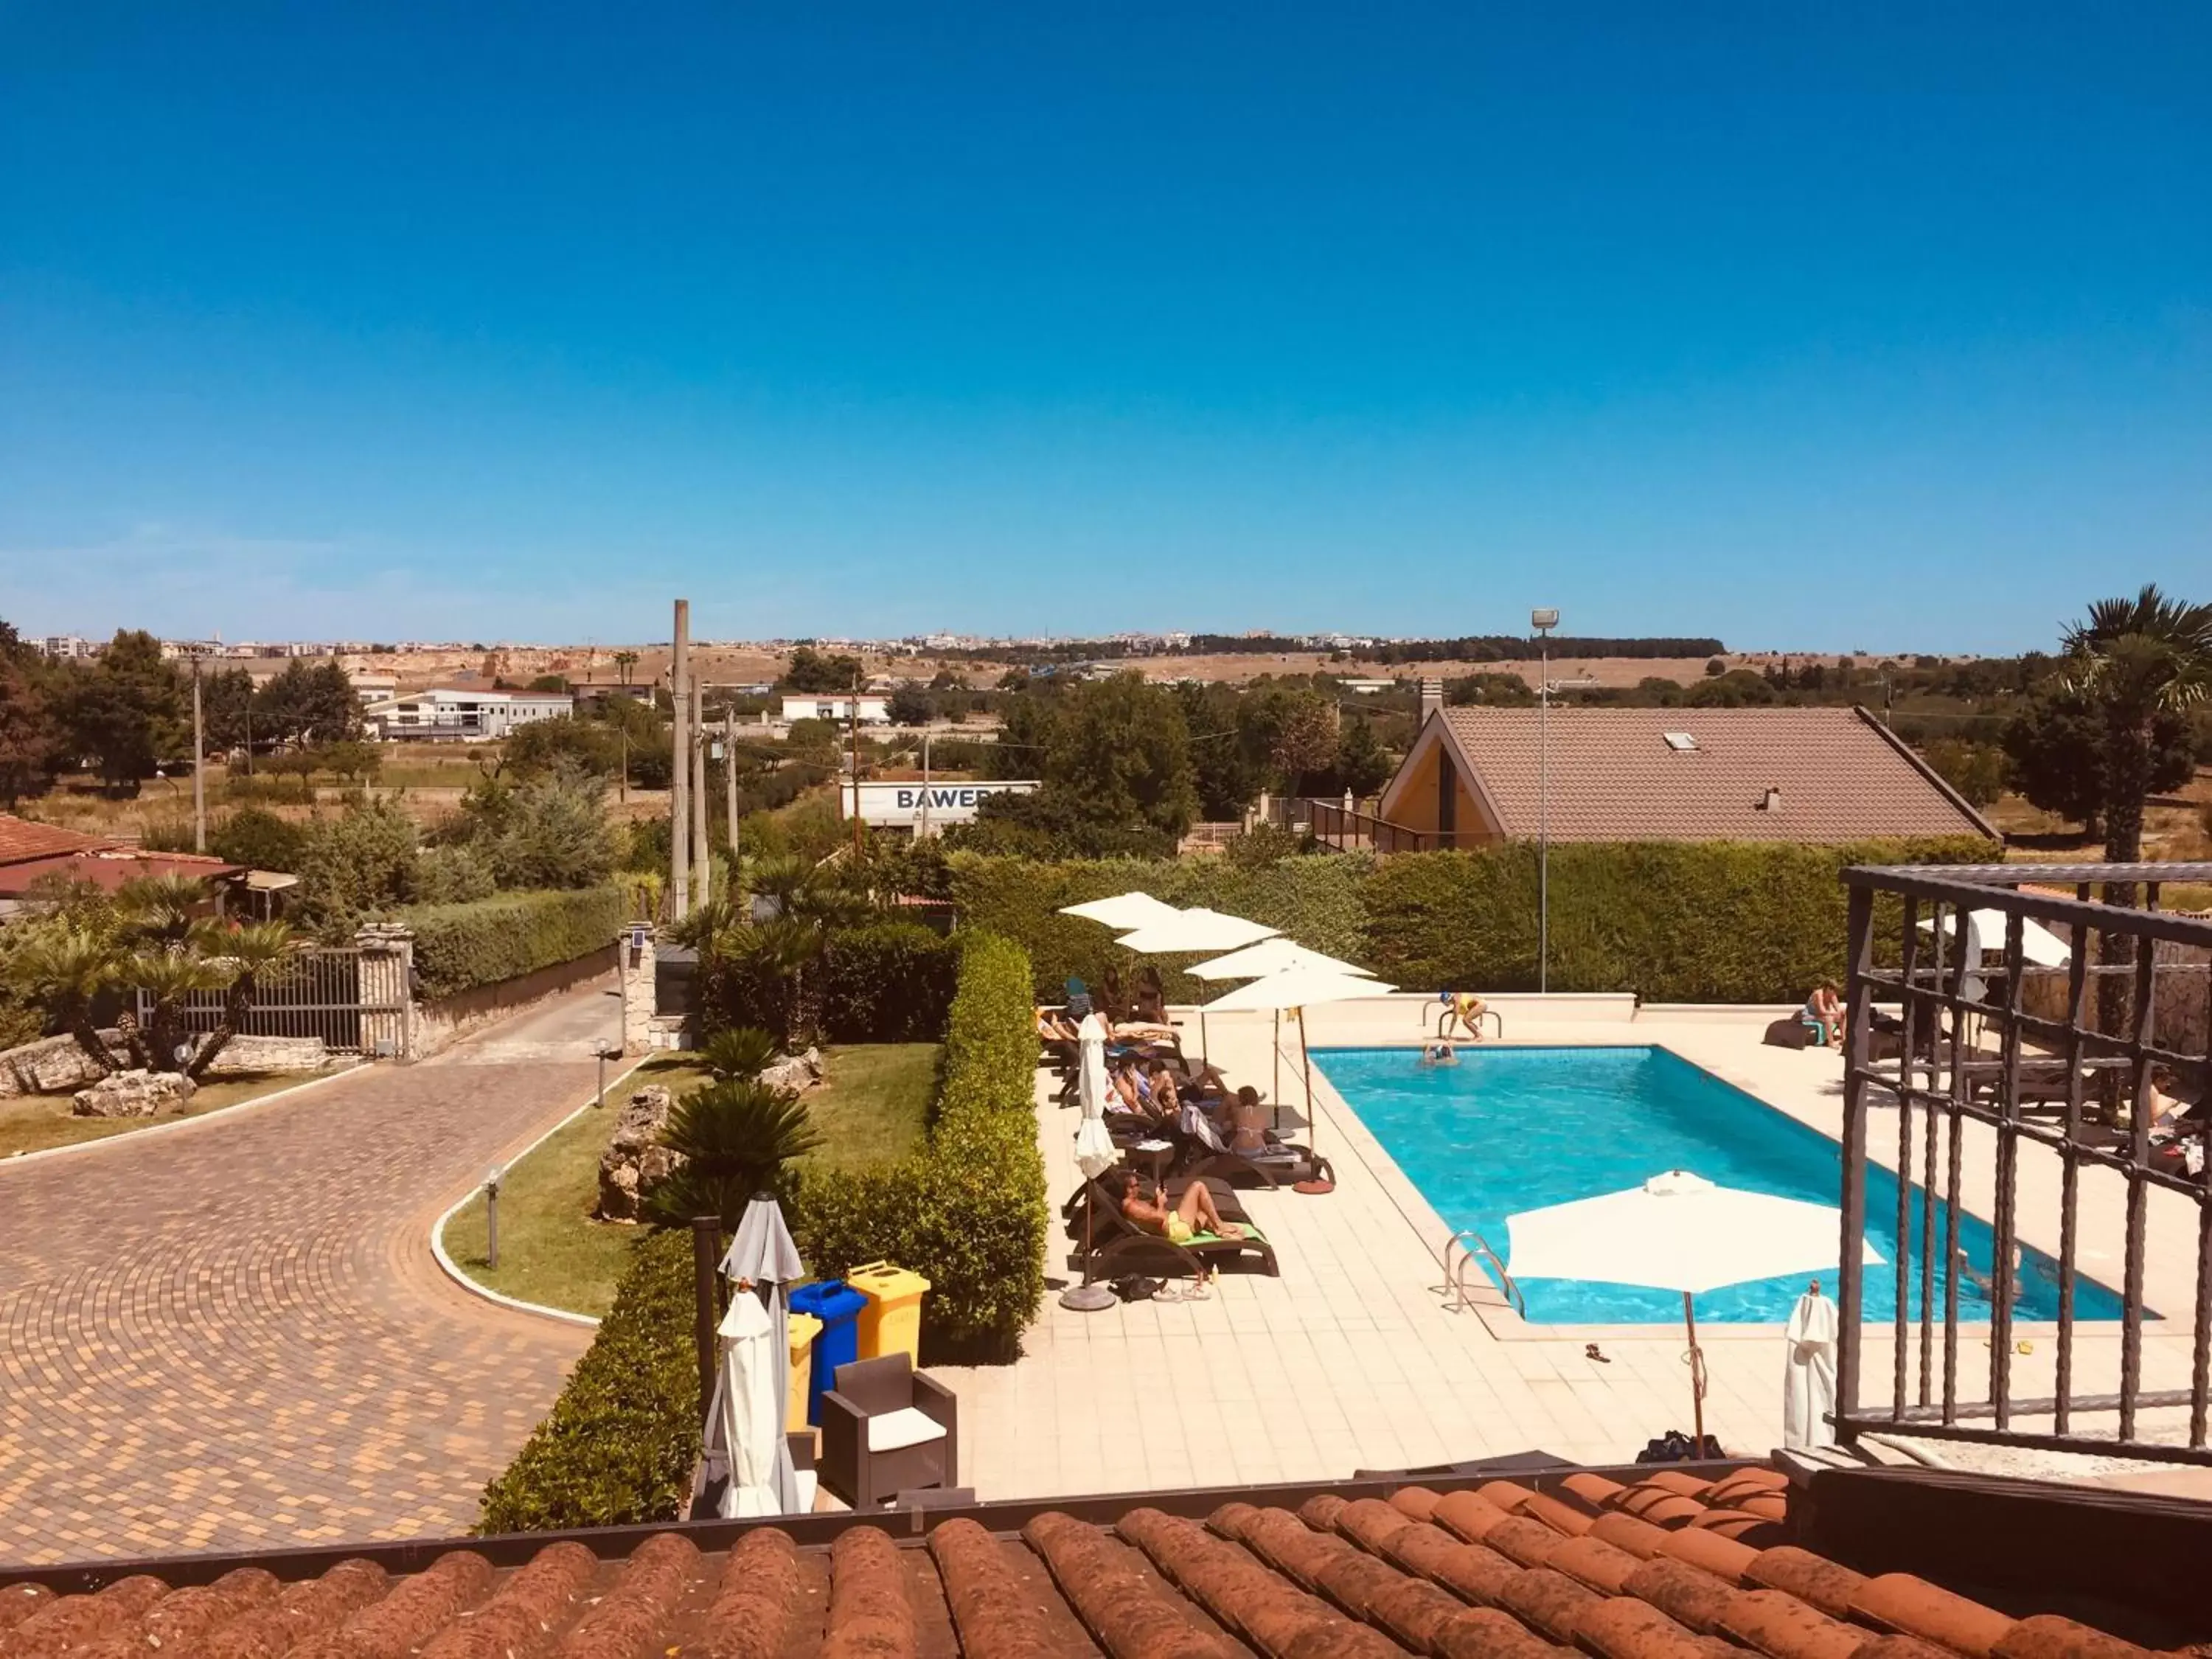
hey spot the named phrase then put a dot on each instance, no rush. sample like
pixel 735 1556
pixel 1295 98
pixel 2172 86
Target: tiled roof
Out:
pixel 1671 1567
pixel 1613 776
pixel 20 839
pixel 110 867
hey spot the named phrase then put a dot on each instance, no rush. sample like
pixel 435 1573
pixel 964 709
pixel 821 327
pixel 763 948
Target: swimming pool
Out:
pixel 1513 1129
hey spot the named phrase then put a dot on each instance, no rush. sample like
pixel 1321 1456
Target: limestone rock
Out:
pixel 635 1161
pixel 133 1094
pixel 794 1073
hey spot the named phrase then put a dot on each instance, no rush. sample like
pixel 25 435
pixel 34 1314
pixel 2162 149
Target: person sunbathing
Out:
pixel 1144 1205
pixel 1130 1094
pixel 1052 1027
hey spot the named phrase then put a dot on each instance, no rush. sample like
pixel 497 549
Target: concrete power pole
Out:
pixel 853 731
pixel 199 764
pixel 679 805
pixel 702 849
pixel 730 783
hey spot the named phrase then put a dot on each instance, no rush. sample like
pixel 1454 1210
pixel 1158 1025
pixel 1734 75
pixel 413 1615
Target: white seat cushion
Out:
pixel 897 1430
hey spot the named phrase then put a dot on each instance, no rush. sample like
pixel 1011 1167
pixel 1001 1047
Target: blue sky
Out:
pixel 1806 326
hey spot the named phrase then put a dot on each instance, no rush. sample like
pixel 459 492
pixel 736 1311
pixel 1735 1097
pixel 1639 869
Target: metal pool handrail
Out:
pixel 1455 1280
pixel 1487 1013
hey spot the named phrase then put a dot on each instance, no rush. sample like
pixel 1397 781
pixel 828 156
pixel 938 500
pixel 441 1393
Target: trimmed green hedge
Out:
pixel 1675 921
pixel 618 1446
pixel 458 947
pixel 967 1213
pixel 889 982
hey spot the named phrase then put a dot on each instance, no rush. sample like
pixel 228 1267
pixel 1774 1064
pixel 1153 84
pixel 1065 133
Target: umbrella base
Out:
pixel 1088 1298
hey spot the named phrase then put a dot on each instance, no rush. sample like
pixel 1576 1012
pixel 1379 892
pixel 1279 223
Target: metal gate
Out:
pixel 323 991
pixel 2018 1096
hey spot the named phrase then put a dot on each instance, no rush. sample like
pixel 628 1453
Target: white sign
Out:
pixel 910 805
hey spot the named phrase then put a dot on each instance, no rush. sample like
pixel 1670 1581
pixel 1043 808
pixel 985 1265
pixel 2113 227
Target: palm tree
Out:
pixel 63 967
pixel 247 954
pixel 735 1138
pixel 170 978
pixel 738 1053
pixel 2136 660
pixel 625 660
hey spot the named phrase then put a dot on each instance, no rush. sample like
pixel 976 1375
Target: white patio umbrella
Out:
pixel 762 1260
pixel 1269 956
pixel 1985 936
pixel 1123 911
pixel 749 1408
pixel 1294 990
pixel 1094 1151
pixel 1677 1232
pixel 1190 932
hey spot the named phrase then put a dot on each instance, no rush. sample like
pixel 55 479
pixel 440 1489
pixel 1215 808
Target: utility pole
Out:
pixel 680 805
pixel 925 784
pixel 853 732
pixel 1544 622
pixel 730 782
pixel 199 764
pixel 702 849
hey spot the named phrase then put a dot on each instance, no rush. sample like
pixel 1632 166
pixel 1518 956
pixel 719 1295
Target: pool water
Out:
pixel 1513 1129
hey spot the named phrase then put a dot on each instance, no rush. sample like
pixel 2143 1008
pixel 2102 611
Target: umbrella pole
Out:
pixel 1697 1375
pixel 1275 1099
pixel 1087 1297
pixel 1204 1058
pixel 1305 1062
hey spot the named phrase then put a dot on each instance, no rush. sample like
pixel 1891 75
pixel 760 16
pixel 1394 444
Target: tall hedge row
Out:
pixel 967 1212
pixel 1675 921
pixel 889 982
pixel 618 1446
pixel 458 947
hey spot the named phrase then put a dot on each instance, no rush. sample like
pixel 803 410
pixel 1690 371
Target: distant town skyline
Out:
pixel 1810 330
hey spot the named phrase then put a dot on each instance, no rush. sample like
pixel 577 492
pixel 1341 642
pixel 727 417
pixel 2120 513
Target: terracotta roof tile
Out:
pixel 1625 1628
pixel 1688 1595
pixel 1593 1490
pixel 1813 1579
pixel 1781 1626
pixel 1898 1602
pixel 1570 1518
pixel 1722 1557
pixel 2047 1636
pixel 1613 777
pixel 22 838
pixel 1469 1515
pixel 1418 1502
pixel 1590 1560
pixel 1623 1530
pixel 1550 1603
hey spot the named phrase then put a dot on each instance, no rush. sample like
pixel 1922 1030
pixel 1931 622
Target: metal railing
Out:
pixel 1470 1245
pixel 1996 1066
pixel 313 993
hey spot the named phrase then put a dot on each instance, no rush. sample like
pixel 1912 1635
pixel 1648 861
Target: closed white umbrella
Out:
pixel 750 1406
pixel 1095 1153
pixel 1123 911
pixel 1808 1373
pixel 1677 1232
pixel 762 1260
pixel 1296 989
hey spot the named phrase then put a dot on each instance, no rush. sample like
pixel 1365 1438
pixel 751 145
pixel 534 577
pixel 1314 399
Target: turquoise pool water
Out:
pixel 1513 1129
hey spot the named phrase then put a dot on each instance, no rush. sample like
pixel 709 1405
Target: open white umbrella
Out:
pixel 1188 932
pixel 1296 989
pixel 762 1260
pixel 1095 1153
pixel 1985 936
pixel 1677 1232
pixel 1123 911
pixel 749 1408
pixel 1269 956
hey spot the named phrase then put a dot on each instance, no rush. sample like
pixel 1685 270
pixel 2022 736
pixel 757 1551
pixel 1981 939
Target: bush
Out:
pixel 461 946
pixel 969 1211
pixel 888 982
pixel 452 875
pixel 357 865
pixel 258 840
pixel 617 1449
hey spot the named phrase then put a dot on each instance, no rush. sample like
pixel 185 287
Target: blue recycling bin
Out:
pixel 838 1306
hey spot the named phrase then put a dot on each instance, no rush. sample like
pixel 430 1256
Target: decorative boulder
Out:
pixel 794 1073
pixel 635 1161
pixel 133 1094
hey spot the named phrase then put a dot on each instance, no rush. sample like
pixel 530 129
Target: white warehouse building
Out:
pixel 838 706
pixel 446 713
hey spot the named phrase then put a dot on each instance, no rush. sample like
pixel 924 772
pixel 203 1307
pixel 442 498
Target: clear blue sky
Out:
pixel 1838 325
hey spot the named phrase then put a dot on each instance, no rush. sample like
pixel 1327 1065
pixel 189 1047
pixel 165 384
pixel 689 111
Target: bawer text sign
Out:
pixel 910 805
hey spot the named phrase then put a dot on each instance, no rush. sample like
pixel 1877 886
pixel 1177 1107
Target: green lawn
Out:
pixel 870 1107
pixel 30 1123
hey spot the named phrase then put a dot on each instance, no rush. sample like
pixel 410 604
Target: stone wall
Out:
pixel 54 1065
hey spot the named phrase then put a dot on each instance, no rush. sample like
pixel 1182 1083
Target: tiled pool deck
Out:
pixel 1351 1358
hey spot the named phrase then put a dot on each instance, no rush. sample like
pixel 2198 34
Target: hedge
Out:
pixel 618 1446
pixel 458 947
pixel 1675 921
pixel 969 1211
pixel 889 982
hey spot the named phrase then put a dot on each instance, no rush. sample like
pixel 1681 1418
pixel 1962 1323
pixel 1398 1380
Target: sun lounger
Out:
pixel 1119 1246
pixel 1206 1153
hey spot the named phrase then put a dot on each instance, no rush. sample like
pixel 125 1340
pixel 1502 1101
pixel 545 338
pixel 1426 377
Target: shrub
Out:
pixel 356 864
pixel 617 1447
pixel 889 982
pixel 461 946
pixel 969 1211
pixel 258 840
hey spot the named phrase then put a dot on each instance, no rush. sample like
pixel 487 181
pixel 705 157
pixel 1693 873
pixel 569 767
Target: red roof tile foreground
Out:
pixel 1612 776
pixel 21 839
pixel 1670 1567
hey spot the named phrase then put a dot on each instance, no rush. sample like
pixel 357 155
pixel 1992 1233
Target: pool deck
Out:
pixel 1353 1357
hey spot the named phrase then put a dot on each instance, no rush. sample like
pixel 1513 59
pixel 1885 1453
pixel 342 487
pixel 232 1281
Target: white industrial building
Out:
pixel 450 714
pixel 838 706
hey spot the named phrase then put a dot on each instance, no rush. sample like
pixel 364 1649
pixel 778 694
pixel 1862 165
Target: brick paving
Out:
pixel 233 1336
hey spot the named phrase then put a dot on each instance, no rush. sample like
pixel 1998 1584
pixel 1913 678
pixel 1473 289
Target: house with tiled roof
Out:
pixel 33 853
pixel 1481 774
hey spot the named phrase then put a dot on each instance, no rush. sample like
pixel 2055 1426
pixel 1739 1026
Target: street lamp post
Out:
pixel 1544 622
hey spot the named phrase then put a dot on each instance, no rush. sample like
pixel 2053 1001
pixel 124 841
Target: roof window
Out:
pixel 1680 742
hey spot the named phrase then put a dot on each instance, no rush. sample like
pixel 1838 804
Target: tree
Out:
pixel 29 734
pixel 127 710
pixel 2138 663
pixel 303 705
pixel 259 840
pixel 226 709
pixel 591 746
pixel 1715 668
pixel 1976 770
pixel 1121 752
pixel 736 1137
pixel 812 671
pixel 550 831
pixel 549 682
pixel 910 706
pixel 1302 744
pixel 625 662
pixel 357 865
pixel 1363 764
pixel 1228 761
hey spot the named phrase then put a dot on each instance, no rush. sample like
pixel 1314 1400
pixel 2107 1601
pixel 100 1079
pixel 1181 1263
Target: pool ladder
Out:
pixel 1470 1245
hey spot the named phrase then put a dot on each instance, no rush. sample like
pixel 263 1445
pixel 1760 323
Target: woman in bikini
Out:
pixel 1145 1206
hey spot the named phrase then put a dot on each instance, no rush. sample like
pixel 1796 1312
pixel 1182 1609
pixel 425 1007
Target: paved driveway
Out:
pixel 233 1335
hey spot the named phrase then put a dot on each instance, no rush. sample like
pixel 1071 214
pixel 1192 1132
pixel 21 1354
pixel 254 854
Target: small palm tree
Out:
pixel 161 910
pixel 2136 660
pixel 63 968
pixel 248 954
pixel 736 1139
pixel 169 979
pixel 739 1054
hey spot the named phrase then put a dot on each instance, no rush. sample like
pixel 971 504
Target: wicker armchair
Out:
pixel 887 1428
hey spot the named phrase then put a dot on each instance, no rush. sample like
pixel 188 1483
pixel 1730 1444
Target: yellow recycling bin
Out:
pixel 891 1322
pixel 801 1330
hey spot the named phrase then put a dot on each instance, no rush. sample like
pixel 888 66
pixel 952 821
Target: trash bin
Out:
pixel 891 1323
pixel 838 1306
pixel 801 1330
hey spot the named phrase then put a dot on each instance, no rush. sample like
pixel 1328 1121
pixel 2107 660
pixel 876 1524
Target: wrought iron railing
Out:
pixel 1998 1074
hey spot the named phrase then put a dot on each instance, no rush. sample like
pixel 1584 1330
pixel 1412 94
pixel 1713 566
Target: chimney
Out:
pixel 1432 699
pixel 1770 801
